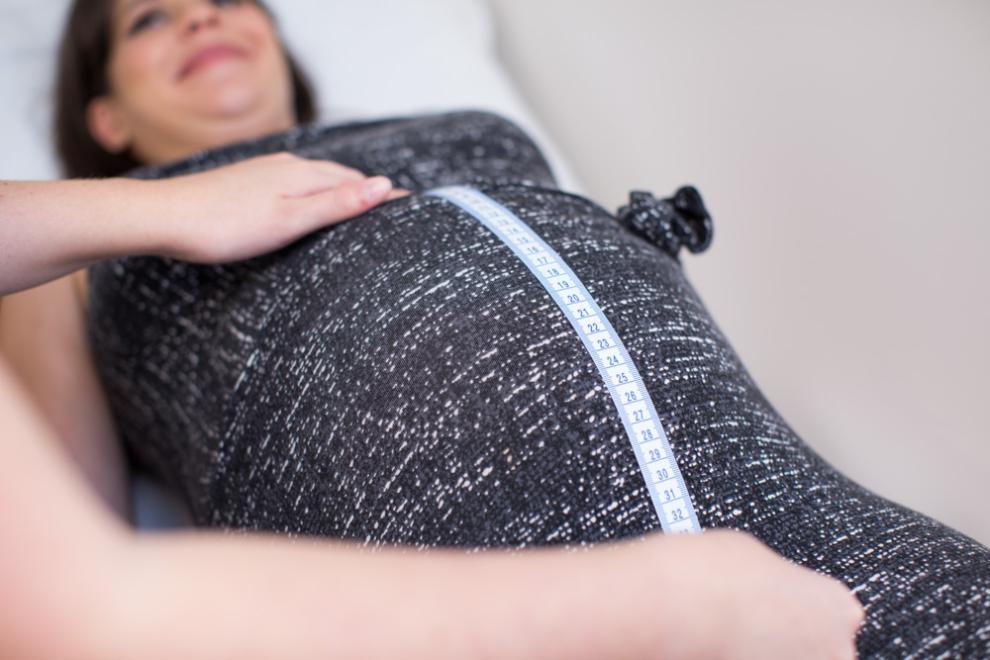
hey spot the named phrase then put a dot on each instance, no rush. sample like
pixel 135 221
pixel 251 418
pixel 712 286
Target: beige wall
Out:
pixel 843 148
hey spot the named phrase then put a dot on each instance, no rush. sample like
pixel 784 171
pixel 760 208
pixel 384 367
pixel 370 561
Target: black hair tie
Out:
pixel 671 222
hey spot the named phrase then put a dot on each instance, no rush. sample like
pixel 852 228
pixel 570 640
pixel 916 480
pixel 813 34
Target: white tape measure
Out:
pixel 639 417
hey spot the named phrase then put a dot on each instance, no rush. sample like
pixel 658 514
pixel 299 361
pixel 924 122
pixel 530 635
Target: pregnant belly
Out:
pixel 415 383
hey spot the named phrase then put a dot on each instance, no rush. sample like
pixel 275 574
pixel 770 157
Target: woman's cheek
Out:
pixel 138 64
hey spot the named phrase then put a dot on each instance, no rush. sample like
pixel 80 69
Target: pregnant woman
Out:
pixel 404 378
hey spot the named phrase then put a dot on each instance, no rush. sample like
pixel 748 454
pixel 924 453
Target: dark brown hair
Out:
pixel 82 76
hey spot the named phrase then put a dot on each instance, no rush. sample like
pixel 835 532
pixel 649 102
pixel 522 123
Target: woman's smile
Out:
pixel 214 53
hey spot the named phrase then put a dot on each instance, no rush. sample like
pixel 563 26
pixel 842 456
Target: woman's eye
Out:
pixel 154 16
pixel 145 20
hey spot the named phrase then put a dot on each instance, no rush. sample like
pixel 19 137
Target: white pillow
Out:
pixel 366 58
pixel 29 31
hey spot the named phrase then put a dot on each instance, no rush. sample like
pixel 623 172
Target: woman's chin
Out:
pixel 231 104
pixel 230 94
pixel 235 115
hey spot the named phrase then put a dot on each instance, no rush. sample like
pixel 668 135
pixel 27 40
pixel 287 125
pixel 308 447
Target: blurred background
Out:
pixel 843 149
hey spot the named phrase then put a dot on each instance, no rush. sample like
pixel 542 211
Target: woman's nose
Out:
pixel 198 15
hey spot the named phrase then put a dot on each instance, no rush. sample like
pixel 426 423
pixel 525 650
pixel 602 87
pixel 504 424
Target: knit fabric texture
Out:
pixel 402 378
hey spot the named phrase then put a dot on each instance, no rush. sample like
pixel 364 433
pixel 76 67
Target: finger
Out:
pixel 315 166
pixel 396 193
pixel 345 201
pixel 331 168
pixel 320 176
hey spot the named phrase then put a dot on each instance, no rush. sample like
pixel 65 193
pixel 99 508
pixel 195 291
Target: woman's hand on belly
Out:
pixel 53 228
pixel 259 205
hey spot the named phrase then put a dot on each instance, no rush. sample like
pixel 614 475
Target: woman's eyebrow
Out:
pixel 126 7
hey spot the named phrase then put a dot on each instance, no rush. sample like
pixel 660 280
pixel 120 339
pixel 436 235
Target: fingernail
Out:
pixel 373 189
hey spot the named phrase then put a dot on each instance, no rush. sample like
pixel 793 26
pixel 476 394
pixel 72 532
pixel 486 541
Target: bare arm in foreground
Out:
pixel 80 584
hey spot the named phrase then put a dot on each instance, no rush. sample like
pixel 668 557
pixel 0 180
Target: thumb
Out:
pixel 345 201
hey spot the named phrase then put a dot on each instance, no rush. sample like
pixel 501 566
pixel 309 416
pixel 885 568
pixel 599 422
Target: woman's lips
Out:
pixel 208 55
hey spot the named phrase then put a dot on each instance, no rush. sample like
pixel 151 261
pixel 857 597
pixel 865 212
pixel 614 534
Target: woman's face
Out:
pixel 186 75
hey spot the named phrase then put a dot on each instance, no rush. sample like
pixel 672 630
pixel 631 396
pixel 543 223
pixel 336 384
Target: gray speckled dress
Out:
pixel 403 378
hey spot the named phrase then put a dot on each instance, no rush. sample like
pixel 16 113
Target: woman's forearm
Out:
pixel 208 595
pixel 59 549
pixel 52 228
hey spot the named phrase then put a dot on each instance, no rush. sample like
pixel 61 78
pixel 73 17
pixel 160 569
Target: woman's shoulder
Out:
pixel 416 150
pixel 462 120
pixel 471 120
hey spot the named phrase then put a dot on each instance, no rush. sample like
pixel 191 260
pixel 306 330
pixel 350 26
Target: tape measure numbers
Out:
pixel 639 416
